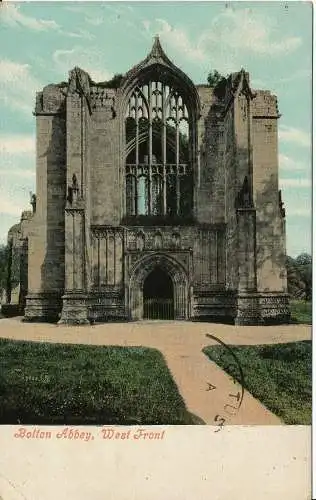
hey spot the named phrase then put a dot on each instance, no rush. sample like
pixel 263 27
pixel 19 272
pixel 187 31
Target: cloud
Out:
pixel 95 21
pixel 10 206
pixel 18 86
pixel 76 7
pixel 90 60
pixel 295 183
pixel 12 16
pixel 302 74
pixel 21 174
pixel 12 144
pixel 294 135
pixel 97 14
pixel 289 164
pixel 15 194
pixel 176 38
pixel 81 34
pixel 244 29
pixel 277 84
pixel 299 212
pixel 17 157
pixel 232 33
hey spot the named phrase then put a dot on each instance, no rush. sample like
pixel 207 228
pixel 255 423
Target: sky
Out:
pixel 40 42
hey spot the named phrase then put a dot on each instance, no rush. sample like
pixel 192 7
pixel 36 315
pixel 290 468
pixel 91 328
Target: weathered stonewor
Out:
pixel 155 197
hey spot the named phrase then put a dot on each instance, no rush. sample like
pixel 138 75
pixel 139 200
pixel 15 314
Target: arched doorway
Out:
pixel 176 274
pixel 158 297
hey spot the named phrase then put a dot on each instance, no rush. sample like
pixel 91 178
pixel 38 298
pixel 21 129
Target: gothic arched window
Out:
pixel 158 166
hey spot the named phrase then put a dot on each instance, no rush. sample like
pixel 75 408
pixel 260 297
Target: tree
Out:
pixel 304 259
pixel 304 265
pixel 214 78
pixel 218 83
pixel 114 83
pixel 299 276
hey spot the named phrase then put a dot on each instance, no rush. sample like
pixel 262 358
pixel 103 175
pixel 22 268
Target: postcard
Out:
pixel 155 250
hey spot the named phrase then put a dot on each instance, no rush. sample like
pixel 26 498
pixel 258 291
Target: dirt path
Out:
pixel 181 344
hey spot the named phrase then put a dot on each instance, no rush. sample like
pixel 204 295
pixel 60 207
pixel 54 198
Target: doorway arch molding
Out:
pixel 174 269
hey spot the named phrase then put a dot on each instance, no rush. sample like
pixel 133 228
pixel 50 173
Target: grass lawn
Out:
pixel 279 375
pixel 301 311
pixel 42 383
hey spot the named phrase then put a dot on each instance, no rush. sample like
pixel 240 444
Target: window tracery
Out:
pixel 158 167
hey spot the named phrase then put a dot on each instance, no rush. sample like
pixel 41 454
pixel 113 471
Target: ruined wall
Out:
pixel 105 155
pixel 271 274
pixel 246 215
pixel 75 243
pixel 77 173
pixel 13 256
pixel 17 262
pixel 46 242
pixel 210 178
pixel 229 160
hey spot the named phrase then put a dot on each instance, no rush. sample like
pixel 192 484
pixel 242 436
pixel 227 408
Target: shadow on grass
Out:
pixel 61 384
pixel 279 375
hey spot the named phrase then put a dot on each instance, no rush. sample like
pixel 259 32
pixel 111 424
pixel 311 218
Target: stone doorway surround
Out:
pixel 142 268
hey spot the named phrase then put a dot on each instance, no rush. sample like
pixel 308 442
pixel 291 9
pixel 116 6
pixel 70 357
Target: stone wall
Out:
pixel 271 273
pixel 77 249
pixel 230 165
pixel 17 265
pixel 106 188
pixel 210 190
pixel 46 242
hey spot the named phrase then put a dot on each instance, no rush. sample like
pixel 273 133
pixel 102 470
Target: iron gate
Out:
pixel 158 308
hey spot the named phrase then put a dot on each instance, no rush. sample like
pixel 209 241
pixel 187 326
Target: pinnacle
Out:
pixel 156 50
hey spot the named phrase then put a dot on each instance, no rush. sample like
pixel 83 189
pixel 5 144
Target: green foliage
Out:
pixel 299 276
pixel 279 375
pixel 214 78
pixel 44 383
pixel 301 311
pixel 114 83
pixel 217 82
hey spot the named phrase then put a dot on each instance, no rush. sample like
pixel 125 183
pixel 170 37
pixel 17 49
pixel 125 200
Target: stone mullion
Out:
pixel 177 160
pixel 164 151
pixel 136 149
pixel 137 131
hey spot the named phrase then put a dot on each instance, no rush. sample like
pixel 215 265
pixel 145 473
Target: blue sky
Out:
pixel 40 42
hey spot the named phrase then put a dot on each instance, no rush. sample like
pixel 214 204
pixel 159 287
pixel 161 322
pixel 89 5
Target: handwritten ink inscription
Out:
pixel 235 400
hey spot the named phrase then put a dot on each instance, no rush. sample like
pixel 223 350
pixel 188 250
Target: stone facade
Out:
pixel 224 251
